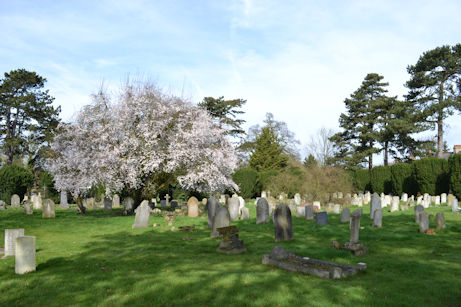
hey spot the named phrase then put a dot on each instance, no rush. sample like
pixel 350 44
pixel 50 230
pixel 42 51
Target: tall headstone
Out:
pixel 321 218
pixel 378 218
pixel 423 222
pixel 234 206
pixel 15 201
pixel 355 226
pixel 282 223
pixel 221 219
pixel 115 201
pixel 10 240
pixel 437 200
pixel 24 255
pixel 128 205
pixel 443 198
pixel 345 215
pixel 107 204
pixel 245 213
pixel 48 209
pixel 375 204
pixel 297 199
pixel 192 207
pixel 241 203
pixel 309 211
pixel 454 205
pixel 440 220
pixel 418 210
pixel 63 203
pixel 211 206
pixel 395 204
pixel 141 219
pixel 262 211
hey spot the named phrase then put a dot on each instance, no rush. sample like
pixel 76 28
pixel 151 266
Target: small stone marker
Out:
pixel 423 222
pixel 107 204
pixel 230 244
pixel 245 213
pixel 28 208
pixel 262 211
pixel 192 207
pixel 378 218
pixel 345 215
pixel 63 203
pixel 115 201
pixel 321 218
pixel 15 201
pixel 141 219
pixel 440 220
pixel 234 206
pixel 221 219
pixel 404 197
pixel 282 223
pixel 309 211
pixel 418 210
pixel 48 209
pixel 24 255
pixel 128 204
pixel 10 240
pixel 211 206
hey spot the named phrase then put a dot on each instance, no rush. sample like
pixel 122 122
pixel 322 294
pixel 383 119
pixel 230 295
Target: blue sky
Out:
pixel 296 59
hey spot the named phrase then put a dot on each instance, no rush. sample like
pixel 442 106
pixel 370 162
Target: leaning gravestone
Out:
pixel 309 212
pixel 321 218
pixel 141 219
pixel 192 207
pixel 423 222
pixel 262 211
pixel 234 206
pixel 28 208
pixel 378 218
pixel 345 215
pixel 115 201
pixel 375 204
pixel 63 203
pixel 10 240
pixel 48 209
pixel 24 255
pixel 245 213
pixel 418 210
pixel 128 204
pixel 440 220
pixel 211 206
pixel 221 219
pixel 15 201
pixel 282 223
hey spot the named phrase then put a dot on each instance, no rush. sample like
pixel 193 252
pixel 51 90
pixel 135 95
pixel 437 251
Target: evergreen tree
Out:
pixel 435 87
pixel 310 161
pixel 268 153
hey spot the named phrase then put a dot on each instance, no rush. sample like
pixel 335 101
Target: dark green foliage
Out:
pixel 265 177
pixel 361 179
pixel 431 175
pixel 14 179
pixel 269 152
pixel 247 180
pixel 455 175
pixel 380 179
pixel 402 179
pixel 310 161
pixel 47 183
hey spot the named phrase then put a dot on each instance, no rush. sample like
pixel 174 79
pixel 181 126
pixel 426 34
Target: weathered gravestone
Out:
pixel 63 202
pixel 141 219
pixel 378 218
pixel 375 204
pixel 10 240
pixel 192 207
pixel 395 204
pixel 404 197
pixel 297 199
pixel 345 215
pixel 24 261
pixel 321 218
pixel 300 211
pixel 443 198
pixel 336 209
pixel 454 205
pixel 28 208
pixel 418 210
pixel 354 246
pixel 230 244
pixel 437 200
pixel 423 222
pixel 262 211
pixel 440 220
pixel 107 204
pixel 211 206
pixel 309 211
pixel 175 204
pixel 15 201
pixel 241 202
pixel 115 201
pixel 221 219
pixel 234 206
pixel 282 223
pixel 245 213
pixel 48 209
pixel 128 204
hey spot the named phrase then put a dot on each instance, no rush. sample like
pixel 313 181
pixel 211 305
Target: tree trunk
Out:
pixel 386 153
pixel 81 208
pixel 440 123
pixel 370 158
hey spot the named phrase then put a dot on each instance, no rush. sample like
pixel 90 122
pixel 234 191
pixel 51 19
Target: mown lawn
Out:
pixel 97 259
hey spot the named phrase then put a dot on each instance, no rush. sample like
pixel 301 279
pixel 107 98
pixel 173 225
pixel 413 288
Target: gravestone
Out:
pixel 163 203
pixel 107 204
pixel 309 211
pixel 300 211
pixel 316 205
pixel 141 219
pixel 221 219
pixel 245 213
pixel 24 260
pixel 375 204
pixel 48 209
pixel 321 218
pixel 357 212
pixel 423 222
pixel 241 203
pixel 128 204
pixel 297 199
pixel 234 206
pixel 174 204
pixel 440 220
pixel 336 209
pixel 15 201
pixel 443 198
pixel 263 194
pixel 211 206
pixel 63 201
pixel 230 244
pixel 418 210
pixel 192 207
pixel 262 211
pixel 340 195
pixel 115 201
pixel 404 197
pixel 395 204
pixel 437 200
pixel 345 215
pixel 378 218
pixel 454 205
pixel 10 240
pixel 28 208
pixel 355 226
pixel 282 223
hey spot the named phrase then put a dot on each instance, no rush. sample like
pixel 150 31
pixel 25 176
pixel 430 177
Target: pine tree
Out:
pixel 269 152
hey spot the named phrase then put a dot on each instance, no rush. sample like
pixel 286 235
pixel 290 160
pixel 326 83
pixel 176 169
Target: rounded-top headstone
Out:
pixel 128 204
pixel 282 223
pixel 221 219
pixel 15 200
pixel 375 204
pixel 193 200
pixel 262 211
pixel 115 201
pixel 48 209
pixel 234 206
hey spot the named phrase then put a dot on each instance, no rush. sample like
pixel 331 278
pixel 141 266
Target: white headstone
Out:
pixel 10 240
pixel 36 201
pixel 443 198
pixel 116 201
pixel 48 209
pixel 141 219
pixel 437 200
pixel 395 204
pixel 297 199
pixel 24 255
pixel 404 197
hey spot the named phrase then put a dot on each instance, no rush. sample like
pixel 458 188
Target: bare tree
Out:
pixel 320 146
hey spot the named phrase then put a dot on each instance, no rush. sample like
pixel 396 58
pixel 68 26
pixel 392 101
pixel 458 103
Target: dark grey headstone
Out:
pixel 262 211
pixel 345 215
pixel 282 223
pixel 440 220
pixel 418 210
pixel 321 218
pixel 221 219
pixel 378 218
pixel 375 204
pixel 358 212
pixel 309 211
pixel 423 222
pixel 211 206
pixel 174 204
pixel 163 203
pixel 234 206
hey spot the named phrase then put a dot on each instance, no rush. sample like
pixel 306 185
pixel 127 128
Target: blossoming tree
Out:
pixel 142 133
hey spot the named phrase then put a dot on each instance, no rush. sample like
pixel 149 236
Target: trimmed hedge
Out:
pixel 431 175
pixel 402 179
pixel 361 180
pixel 454 164
pixel 247 180
pixel 14 180
pixel 380 179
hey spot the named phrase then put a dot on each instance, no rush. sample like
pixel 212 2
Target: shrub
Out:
pixel 247 180
pixel 380 179
pixel 455 174
pixel 264 180
pixel 46 180
pixel 361 179
pixel 431 175
pixel 402 179
pixel 14 180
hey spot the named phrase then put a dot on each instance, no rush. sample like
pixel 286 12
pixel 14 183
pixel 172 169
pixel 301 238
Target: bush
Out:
pixel 380 179
pixel 361 180
pixel 264 180
pixel 402 179
pixel 14 180
pixel 454 164
pixel 431 175
pixel 46 180
pixel 247 180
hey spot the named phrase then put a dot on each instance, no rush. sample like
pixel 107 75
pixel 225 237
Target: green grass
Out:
pixel 97 259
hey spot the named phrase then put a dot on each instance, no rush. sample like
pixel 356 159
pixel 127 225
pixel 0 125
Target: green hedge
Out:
pixel 380 179
pixel 431 175
pixel 247 180
pixel 454 164
pixel 14 179
pixel 361 180
pixel 402 179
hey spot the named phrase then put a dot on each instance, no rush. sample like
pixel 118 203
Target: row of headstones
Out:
pixel 48 208
pixel 22 247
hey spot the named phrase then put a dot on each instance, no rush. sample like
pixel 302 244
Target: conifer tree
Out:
pixel 269 152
